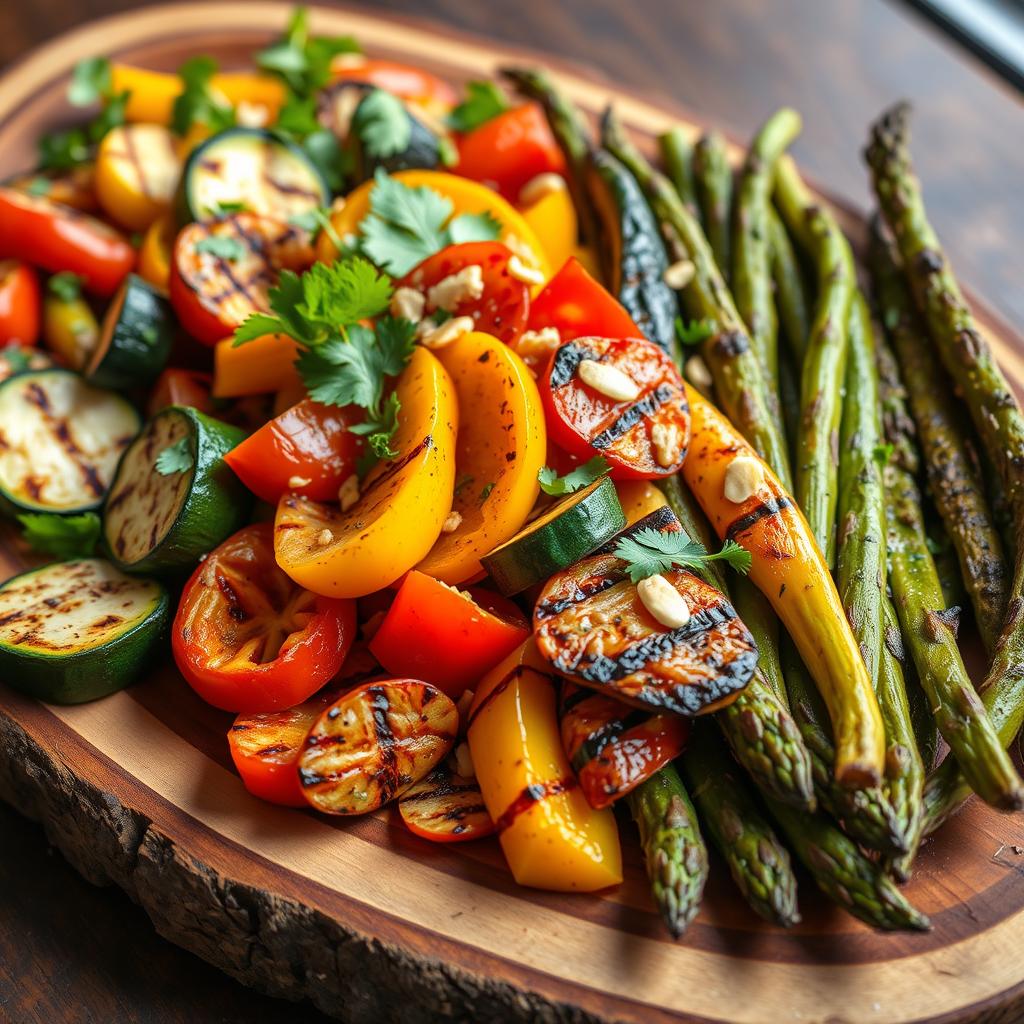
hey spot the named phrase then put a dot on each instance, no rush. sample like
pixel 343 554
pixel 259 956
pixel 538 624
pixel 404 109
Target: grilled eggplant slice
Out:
pixel 591 627
pixel 75 631
pixel 446 807
pixel 374 743
pixel 60 441
pixel 633 253
pixel 613 748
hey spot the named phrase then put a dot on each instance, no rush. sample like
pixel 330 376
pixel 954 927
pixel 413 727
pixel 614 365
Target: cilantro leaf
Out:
pixel 65 285
pixel 60 151
pixel 297 115
pixel 883 453
pixel 111 116
pixel 649 552
pixel 197 102
pixel 61 536
pixel 581 476
pixel 382 124
pixel 343 292
pixel 304 62
pixel 694 331
pixel 256 325
pixel 472 227
pixel 175 458
pixel 484 100
pixel 90 82
pixel 323 148
pixel 223 247
pixel 220 208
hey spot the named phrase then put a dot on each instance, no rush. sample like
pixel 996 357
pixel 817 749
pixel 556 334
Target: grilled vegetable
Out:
pixel 447 637
pixel 951 464
pixel 738 377
pixel 677 154
pixel 252 170
pixel 14 360
pixel 174 498
pixel 222 271
pixel 592 626
pixel 621 399
pixel 712 178
pixel 633 253
pixel 402 505
pixel 75 631
pixel 61 441
pixel 136 338
pixel 446 807
pixel 70 329
pixel 758 862
pixel 20 302
pixel 791 299
pixel 137 171
pixel 551 837
pixel 258 367
pixel 374 743
pixel 752 238
pixel 789 570
pixel 612 748
pixel 265 748
pixel 154 263
pixel 824 365
pixel 674 852
pixel 557 538
pixel 497 456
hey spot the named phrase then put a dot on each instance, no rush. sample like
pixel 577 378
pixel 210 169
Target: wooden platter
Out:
pixel 361 917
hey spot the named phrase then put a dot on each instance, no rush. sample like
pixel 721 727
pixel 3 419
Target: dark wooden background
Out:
pixel 69 952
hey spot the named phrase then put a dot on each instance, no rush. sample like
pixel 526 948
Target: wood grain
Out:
pixel 370 922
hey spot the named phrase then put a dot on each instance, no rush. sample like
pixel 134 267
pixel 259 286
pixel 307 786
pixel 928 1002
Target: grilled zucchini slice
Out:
pixel 174 497
pixel 60 441
pixel 74 631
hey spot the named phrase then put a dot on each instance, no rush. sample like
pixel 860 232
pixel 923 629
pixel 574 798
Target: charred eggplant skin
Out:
pixel 633 254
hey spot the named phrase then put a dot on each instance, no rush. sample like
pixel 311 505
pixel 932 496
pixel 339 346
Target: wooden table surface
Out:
pixel 69 952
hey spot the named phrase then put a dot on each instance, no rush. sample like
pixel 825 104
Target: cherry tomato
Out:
pixel 175 386
pixel 504 306
pixel 643 438
pixel 308 449
pixel 446 807
pixel 58 238
pixel 246 638
pixel 437 633
pixel 578 306
pixel 222 270
pixel 265 748
pixel 20 304
pixel 511 149
pixel 413 84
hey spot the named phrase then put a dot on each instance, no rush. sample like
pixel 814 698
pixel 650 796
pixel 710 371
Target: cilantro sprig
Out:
pixel 693 332
pixel 198 103
pixel 65 285
pixel 303 60
pixel 382 124
pixel 650 552
pixel 484 101
pixel 61 536
pixel 175 458
pixel 582 476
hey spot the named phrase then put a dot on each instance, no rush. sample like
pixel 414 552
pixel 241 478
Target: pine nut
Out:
pixel 542 185
pixel 679 274
pixel 449 331
pixel 663 601
pixel 521 272
pixel 743 478
pixel 408 303
pixel 609 380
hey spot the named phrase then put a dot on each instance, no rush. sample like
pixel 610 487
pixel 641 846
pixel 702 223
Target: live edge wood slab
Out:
pixel 361 917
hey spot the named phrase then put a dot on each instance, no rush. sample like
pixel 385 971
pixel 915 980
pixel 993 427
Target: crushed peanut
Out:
pixel 679 274
pixel 609 380
pixel 663 601
pixel 446 333
pixel 324 537
pixel 698 374
pixel 667 442
pixel 452 523
pixel 540 186
pixel 408 303
pixel 252 115
pixel 467 284
pixel 348 492
pixel 743 478
pixel 521 272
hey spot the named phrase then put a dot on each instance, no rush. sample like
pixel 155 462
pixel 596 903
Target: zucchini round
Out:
pixel 74 631
pixel 60 441
pixel 564 534
pixel 136 337
pixel 251 169
pixel 174 497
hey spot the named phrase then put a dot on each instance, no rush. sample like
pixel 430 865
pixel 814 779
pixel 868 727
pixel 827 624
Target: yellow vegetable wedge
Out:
pixel 137 171
pixel 553 219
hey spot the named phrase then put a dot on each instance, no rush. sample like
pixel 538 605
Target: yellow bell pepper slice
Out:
pixel 551 837
pixel 501 446
pixel 153 92
pixel 466 196
pixel 155 252
pixel 553 220
pixel 70 329
pixel 789 569
pixel 401 510
pixel 256 368
pixel 137 171
pixel 638 498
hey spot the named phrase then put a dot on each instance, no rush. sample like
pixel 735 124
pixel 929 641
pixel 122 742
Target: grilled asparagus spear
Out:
pixel 677 153
pixel 674 852
pixel 791 299
pixel 712 178
pixel 757 860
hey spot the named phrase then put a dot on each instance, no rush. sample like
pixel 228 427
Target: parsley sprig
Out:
pixel 649 552
pixel 484 101
pixel 582 476
pixel 61 536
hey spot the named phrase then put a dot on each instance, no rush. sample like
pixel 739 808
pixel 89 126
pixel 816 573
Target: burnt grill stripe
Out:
pixel 567 363
pixel 546 609
pixel 767 508
pixel 532 794
pixel 387 776
pixel 499 688
pixel 631 416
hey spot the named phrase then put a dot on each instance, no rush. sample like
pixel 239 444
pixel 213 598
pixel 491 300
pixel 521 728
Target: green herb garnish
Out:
pixel 650 552
pixel 302 60
pixel 484 101
pixel 197 102
pixel 223 247
pixel 382 124
pixel 175 458
pixel 65 285
pixel 694 331
pixel 582 476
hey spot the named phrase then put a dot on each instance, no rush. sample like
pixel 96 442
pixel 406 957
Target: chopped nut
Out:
pixel 348 492
pixel 464 761
pixel 540 186
pixel 609 380
pixel 519 247
pixel 347 61
pixel 743 478
pixel 521 272
pixel 252 115
pixel 698 374
pixel 468 283
pixel 295 482
pixel 324 537
pixel 449 331
pixel 679 274
pixel 408 303
pixel 667 442
pixel 534 347
pixel 452 523
pixel 663 601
